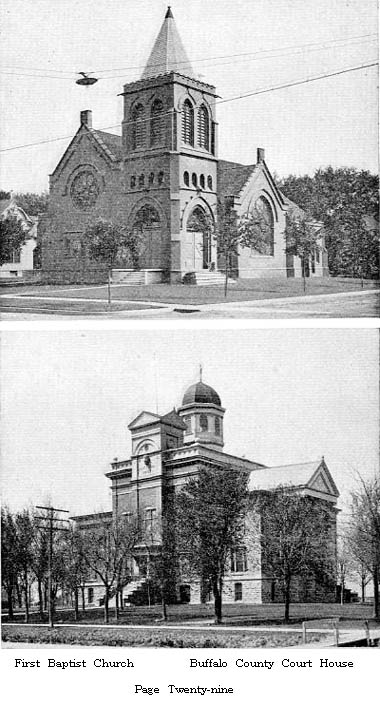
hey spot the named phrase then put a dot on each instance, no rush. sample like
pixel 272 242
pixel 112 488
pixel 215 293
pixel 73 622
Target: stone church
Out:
pixel 163 179
pixel 169 450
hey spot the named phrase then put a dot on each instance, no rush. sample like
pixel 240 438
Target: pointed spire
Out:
pixel 168 53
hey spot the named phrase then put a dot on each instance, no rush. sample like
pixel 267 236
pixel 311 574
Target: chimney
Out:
pixel 260 155
pixel 86 118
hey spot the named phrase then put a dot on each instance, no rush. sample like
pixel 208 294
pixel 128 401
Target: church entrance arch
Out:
pixel 198 237
pixel 147 227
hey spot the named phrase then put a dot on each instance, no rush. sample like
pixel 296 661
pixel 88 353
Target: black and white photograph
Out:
pixel 189 350
pixel 217 159
pixel 217 499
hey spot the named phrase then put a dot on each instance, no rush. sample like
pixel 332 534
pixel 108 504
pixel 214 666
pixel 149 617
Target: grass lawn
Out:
pixel 112 637
pixel 257 289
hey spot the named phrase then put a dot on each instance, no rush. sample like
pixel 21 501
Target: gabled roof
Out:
pixel 144 418
pixel 173 419
pixel 313 475
pixel 112 142
pixel 168 53
pixel 232 177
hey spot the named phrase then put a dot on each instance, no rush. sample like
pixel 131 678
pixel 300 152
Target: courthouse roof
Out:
pixel 312 474
pixel 168 53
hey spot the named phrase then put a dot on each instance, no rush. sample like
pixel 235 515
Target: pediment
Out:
pixel 322 481
pixel 92 140
pixel 261 182
pixel 144 418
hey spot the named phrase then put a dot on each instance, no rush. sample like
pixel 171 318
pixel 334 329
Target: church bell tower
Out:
pixel 169 137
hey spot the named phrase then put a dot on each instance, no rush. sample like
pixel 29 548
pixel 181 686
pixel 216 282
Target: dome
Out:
pixel 201 393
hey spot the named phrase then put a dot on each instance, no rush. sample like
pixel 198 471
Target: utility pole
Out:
pixel 51 527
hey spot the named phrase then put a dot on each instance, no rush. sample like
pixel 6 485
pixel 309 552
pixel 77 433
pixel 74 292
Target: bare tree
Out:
pixel 107 550
pixel 296 539
pixel 9 563
pixel 364 530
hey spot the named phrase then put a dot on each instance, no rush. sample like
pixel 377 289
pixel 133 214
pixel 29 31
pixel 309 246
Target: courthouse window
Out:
pixel 239 559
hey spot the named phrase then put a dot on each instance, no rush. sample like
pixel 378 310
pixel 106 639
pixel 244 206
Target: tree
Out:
pixel 210 517
pixel 9 564
pixel 75 569
pixel 232 232
pixel 343 199
pixel 33 203
pixel 40 560
pixel 295 539
pixel 107 550
pixel 303 239
pixel 109 242
pixel 24 553
pixel 364 530
pixel 12 238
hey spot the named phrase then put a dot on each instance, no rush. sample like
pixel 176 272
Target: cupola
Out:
pixel 202 413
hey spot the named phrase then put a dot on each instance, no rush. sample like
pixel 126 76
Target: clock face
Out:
pixel 84 190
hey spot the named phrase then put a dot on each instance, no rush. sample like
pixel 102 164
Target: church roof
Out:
pixel 201 393
pixel 168 53
pixel 232 177
pixel 111 141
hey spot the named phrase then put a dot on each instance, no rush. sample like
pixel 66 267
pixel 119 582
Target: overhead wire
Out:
pixel 256 55
pixel 219 101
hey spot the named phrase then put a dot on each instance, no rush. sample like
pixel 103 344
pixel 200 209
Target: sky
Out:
pixel 290 396
pixel 332 121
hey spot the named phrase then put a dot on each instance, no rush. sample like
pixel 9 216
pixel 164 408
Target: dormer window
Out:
pixel 203 128
pixel 188 123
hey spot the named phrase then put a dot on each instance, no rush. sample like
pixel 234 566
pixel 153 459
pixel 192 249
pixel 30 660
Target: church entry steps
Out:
pixel 205 278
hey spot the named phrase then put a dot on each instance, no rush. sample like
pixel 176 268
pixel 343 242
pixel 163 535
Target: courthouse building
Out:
pixel 163 178
pixel 169 450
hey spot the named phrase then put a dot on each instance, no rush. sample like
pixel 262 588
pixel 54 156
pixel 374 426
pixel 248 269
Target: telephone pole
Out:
pixel 50 519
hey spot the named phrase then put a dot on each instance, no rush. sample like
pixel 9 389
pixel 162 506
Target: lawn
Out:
pixel 257 289
pixel 117 637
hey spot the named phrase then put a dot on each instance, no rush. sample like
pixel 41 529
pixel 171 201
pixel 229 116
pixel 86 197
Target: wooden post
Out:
pixel 336 630
pixel 304 633
pixel 367 633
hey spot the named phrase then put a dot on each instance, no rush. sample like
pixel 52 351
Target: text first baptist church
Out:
pixel 163 179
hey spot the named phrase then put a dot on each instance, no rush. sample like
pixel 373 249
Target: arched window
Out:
pixel 141 180
pixel 160 178
pixel 202 181
pixel 147 216
pixel 217 425
pixel 188 123
pixel 186 178
pixel 194 180
pixel 156 123
pixel 138 127
pixel 209 182
pixel 151 178
pixel 203 422
pixel 265 212
pixel 133 181
pixel 203 128
pixel 197 221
